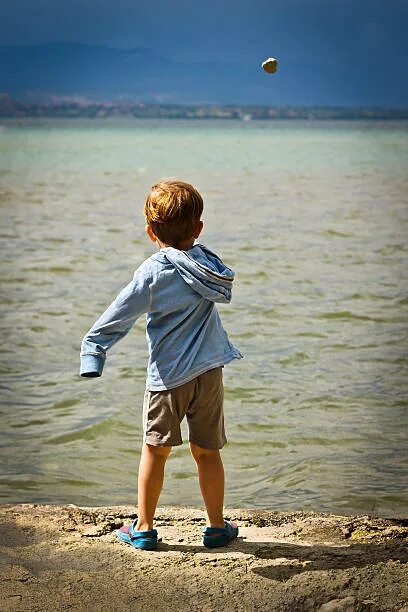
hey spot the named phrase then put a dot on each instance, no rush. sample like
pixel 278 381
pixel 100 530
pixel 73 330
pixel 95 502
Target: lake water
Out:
pixel 313 219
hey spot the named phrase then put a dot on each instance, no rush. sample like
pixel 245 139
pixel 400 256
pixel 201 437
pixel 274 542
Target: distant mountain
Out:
pixel 37 72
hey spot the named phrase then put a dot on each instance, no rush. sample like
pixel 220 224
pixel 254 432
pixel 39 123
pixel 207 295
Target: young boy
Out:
pixel 177 288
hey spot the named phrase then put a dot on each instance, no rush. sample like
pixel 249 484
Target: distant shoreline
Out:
pixel 71 107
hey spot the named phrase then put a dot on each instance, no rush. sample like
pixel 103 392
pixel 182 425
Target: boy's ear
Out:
pixel 198 229
pixel 151 233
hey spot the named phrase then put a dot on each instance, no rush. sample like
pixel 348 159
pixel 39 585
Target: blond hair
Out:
pixel 173 209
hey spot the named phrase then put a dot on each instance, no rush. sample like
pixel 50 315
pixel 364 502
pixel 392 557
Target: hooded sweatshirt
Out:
pixel 177 291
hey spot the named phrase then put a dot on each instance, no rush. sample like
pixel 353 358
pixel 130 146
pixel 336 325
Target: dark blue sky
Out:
pixel 364 39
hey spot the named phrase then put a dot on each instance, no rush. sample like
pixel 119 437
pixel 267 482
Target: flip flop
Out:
pixel 147 540
pixel 213 537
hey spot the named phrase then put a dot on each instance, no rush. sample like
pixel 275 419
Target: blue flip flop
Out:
pixel 146 540
pixel 214 537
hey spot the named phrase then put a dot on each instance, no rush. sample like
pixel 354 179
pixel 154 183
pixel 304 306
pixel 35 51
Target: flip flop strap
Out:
pixel 151 534
pixel 141 537
pixel 216 530
pixel 227 530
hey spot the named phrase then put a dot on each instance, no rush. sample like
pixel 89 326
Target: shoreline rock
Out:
pixel 57 557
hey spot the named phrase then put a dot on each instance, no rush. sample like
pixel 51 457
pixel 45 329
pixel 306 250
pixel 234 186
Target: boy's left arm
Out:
pixel 114 324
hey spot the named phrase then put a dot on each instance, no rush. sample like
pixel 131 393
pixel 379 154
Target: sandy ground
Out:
pixel 66 557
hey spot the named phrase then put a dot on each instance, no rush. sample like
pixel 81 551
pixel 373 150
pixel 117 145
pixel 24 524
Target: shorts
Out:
pixel 200 400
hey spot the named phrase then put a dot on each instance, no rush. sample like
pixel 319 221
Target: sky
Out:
pixel 363 36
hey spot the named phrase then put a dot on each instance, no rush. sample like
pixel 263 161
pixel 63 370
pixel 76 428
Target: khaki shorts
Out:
pixel 200 400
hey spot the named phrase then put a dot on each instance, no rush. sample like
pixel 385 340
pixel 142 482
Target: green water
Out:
pixel 313 218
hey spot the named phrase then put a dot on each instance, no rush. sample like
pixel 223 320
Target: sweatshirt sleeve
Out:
pixel 114 324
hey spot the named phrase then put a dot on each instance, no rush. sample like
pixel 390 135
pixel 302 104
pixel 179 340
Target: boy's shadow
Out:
pixel 296 558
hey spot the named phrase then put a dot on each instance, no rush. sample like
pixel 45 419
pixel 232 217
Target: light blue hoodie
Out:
pixel 177 290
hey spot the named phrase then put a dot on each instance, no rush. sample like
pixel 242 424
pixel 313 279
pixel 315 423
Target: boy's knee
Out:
pixel 199 452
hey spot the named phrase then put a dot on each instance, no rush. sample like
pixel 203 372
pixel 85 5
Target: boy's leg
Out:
pixel 211 477
pixel 150 483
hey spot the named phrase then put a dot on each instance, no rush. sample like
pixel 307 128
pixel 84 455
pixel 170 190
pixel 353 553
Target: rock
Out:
pixel 396 532
pixel 16 573
pixel 368 605
pixel 270 65
pixel 95 531
pixel 339 605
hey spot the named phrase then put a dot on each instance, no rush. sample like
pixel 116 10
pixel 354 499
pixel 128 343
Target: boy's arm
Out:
pixel 114 324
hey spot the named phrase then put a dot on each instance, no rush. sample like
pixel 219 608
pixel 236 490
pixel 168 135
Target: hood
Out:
pixel 203 270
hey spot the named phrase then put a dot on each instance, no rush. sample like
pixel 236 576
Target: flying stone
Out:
pixel 270 65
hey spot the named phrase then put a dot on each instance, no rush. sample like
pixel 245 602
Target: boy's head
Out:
pixel 173 209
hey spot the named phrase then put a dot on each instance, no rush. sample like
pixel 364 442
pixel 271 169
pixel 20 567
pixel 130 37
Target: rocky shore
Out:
pixel 68 558
pixel 81 107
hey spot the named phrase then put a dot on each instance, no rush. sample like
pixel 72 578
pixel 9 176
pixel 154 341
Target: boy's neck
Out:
pixel 186 245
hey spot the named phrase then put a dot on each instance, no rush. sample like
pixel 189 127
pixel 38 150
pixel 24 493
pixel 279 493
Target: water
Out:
pixel 312 217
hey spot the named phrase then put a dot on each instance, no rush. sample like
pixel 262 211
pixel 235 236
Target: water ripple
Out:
pixel 316 413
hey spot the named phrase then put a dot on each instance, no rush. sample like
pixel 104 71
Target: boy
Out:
pixel 177 289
